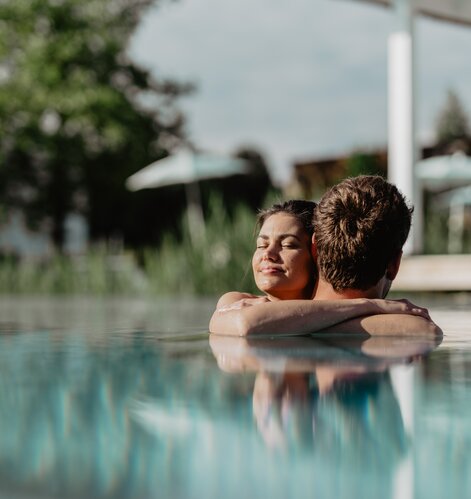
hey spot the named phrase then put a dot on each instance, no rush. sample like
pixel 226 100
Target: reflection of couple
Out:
pixel 304 382
pixel 328 267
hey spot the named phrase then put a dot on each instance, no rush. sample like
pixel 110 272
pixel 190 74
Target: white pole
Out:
pixel 402 379
pixel 401 119
pixel 196 224
pixel 456 228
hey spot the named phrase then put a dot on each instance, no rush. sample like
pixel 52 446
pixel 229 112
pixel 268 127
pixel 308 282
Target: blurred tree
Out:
pixel 452 129
pixel 77 116
pixel 364 163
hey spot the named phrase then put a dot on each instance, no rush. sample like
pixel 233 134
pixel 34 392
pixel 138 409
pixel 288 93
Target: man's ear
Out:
pixel 314 248
pixel 393 266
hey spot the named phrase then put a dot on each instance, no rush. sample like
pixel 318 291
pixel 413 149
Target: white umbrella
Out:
pixel 444 172
pixel 187 168
pixel 184 168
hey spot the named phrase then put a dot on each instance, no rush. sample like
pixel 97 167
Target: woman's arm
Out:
pixel 298 317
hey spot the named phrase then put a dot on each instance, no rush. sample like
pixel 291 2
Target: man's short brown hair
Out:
pixel 360 226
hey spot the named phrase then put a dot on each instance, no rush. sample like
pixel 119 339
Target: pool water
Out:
pixel 131 399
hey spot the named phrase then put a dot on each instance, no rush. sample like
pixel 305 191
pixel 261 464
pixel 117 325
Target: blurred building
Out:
pixel 311 177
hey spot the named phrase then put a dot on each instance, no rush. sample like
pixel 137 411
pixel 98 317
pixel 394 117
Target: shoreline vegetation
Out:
pixel 177 267
pixel 221 261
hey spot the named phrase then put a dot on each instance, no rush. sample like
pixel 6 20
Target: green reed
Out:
pixel 437 236
pixel 93 273
pixel 219 262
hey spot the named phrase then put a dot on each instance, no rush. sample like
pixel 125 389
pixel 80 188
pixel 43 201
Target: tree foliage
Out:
pixel 77 116
pixel 365 163
pixel 453 124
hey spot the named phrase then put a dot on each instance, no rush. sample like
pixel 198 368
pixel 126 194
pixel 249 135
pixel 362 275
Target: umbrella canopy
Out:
pixel 455 11
pixel 185 168
pixel 188 168
pixel 444 172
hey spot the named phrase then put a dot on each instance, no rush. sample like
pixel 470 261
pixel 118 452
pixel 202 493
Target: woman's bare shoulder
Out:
pixel 232 297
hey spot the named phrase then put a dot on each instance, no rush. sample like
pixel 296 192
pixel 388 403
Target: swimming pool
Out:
pixel 123 398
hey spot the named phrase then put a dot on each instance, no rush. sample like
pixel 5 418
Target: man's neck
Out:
pixel 324 291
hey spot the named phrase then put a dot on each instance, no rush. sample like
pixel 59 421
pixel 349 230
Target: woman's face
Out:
pixel 282 263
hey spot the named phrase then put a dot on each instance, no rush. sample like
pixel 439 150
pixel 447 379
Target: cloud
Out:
pixel 298 78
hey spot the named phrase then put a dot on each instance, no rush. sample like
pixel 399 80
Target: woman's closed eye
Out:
pixel 290 244
pixel 285 242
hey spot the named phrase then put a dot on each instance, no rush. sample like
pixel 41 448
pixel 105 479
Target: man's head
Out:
pixel 360 227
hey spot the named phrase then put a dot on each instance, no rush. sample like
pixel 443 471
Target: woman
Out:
pixel 282 264
pixel 284 269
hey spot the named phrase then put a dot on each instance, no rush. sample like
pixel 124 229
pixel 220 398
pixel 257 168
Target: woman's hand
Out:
pixel 402 306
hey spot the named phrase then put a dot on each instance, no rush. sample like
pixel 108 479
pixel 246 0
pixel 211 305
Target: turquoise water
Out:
pixel 132 400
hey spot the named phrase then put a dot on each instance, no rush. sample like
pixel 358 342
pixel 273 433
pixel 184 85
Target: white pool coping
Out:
pixel 434 273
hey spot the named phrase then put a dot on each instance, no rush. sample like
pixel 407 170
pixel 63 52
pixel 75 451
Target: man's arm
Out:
pixel 388 325
pixel 298 317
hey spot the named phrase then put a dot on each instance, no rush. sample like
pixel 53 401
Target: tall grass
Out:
pixel 437 231
pixel 218 263
pixel 221 261
pixel 97 272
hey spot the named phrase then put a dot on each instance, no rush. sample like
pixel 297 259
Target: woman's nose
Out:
pixel 271 252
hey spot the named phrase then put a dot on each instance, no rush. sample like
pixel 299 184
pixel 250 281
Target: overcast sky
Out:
pixel 296 79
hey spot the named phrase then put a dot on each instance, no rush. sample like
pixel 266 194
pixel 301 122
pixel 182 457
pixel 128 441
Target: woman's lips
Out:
pixel 271 270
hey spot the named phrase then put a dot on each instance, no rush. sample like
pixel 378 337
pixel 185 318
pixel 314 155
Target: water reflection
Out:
pixel 135 415
pixel 66 411
pixel 337 400
pixel 323 393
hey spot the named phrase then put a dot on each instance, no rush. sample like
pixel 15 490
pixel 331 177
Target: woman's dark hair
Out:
pixel 300 209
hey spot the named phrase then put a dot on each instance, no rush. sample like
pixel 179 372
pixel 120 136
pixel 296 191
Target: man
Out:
pixel 360 227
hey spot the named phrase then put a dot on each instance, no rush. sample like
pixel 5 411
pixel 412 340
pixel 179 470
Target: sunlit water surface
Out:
pixel 123 398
